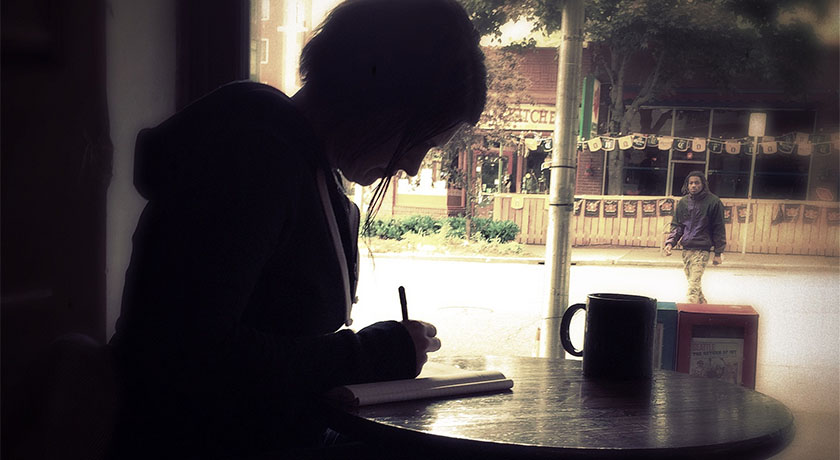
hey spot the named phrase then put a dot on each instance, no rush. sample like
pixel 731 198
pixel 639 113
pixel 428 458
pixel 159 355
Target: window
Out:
pixel 729 174
pixel 493 174
pixel 779 175
pixel 265 10
pixel 783 176
pixel 252 60
pixel 285 25
pixel 264 51
pixel 689 124
pixel 646 169
pixel 825 175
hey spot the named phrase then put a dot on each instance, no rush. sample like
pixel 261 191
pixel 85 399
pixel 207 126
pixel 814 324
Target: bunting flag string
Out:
pixel 802 144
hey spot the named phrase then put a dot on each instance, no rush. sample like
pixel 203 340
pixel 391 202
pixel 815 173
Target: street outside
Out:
pixel 496 308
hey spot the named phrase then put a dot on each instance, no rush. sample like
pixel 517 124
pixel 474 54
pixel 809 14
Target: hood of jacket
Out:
pixel 180 152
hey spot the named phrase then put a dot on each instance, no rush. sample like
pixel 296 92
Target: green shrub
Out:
pixel 488 229
pixel 390 229
pixel 422 225
pixel 456 227
pixel 500 230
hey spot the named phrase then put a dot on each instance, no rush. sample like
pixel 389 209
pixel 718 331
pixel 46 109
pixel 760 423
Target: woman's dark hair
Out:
pixel 402 66
pixel 702 181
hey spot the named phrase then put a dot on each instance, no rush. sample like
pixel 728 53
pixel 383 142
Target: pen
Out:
pixel 403 303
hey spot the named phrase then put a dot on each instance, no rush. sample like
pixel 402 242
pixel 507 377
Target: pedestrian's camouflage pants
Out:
pixel 695 261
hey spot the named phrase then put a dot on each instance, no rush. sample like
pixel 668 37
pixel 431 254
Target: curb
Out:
pixel 600 262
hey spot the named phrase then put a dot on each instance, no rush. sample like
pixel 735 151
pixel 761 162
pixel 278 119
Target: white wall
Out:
pixel 141 93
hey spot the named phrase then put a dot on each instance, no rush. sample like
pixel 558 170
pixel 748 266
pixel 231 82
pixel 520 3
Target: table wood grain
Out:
pixel 554 412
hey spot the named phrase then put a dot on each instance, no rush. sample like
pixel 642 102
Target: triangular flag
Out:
pixel 733 147
pixel 666 142
pixel 804 149
pixel 716 147
pixel 547 143
pixel 625 142
pixel 609 144
pixel 786 147
pixel 639 141
pixel 652 141
pixel 681 145
pixel 532 143
pixel 594 144
pixel 823 149
pixel 698 144
pixel 802 138
pixel 768 147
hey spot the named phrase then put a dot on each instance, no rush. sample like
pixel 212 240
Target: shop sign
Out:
pixel 528 117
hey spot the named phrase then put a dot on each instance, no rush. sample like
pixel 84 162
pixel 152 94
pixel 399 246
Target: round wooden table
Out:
pixel 554 412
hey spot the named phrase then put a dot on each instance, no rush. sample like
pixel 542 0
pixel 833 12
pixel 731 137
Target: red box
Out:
pixel 718 341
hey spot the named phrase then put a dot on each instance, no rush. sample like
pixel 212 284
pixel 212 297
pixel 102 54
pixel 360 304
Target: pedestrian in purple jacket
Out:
pixel 698 226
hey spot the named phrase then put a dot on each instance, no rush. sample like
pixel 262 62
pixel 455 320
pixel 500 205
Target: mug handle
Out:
pixel 564 329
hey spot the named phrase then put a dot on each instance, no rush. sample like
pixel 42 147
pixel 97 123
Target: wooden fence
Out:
pixel 774 227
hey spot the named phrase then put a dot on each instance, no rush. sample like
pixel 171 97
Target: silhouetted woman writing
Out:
pixel 245 259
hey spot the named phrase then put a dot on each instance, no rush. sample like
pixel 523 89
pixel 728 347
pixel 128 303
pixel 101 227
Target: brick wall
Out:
pixel 590 172
pixel 539 65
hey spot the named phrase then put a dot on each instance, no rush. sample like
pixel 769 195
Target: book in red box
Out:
pixel 718 341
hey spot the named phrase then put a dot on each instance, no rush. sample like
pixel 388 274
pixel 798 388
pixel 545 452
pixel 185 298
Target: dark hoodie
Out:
pixel 233 293
pixel 698 220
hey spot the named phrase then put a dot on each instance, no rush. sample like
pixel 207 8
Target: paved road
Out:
pixel 482 308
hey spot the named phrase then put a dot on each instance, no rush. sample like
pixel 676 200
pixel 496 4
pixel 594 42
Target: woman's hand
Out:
pixel 425 341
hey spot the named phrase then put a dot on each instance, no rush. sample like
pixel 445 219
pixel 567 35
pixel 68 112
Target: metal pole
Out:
pixel 499 175
pixel 709 136
pixel 562 187
pixel 810 163
pixel 669 175
pixel 749 196
pixel 468 192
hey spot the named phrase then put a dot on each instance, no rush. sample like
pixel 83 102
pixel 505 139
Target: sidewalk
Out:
pixel 647 257
pixel 654 257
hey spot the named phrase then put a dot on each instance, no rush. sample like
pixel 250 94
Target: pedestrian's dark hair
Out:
pixel 399 66
pixel 695 174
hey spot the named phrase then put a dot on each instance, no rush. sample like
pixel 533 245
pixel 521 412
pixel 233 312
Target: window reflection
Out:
pixel 646 169
pixel 729 175
pixel 689 124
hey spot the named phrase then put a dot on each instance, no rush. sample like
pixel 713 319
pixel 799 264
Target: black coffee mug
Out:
pixel 618 336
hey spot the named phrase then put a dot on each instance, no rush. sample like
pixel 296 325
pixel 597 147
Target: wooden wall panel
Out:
pixel 767 231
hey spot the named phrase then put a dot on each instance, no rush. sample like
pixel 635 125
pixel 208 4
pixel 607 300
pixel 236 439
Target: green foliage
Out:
pixel 390 229
pixel 421 225
pixel 500 230
pixel 482 228
pixel 457 227
pixel 486 229
pixel 725 42
pixel 506 86
pixel 718 39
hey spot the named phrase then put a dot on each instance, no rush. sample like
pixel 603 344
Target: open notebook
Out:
pixel 436 381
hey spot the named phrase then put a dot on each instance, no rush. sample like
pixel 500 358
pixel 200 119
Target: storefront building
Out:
pixel 783 181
